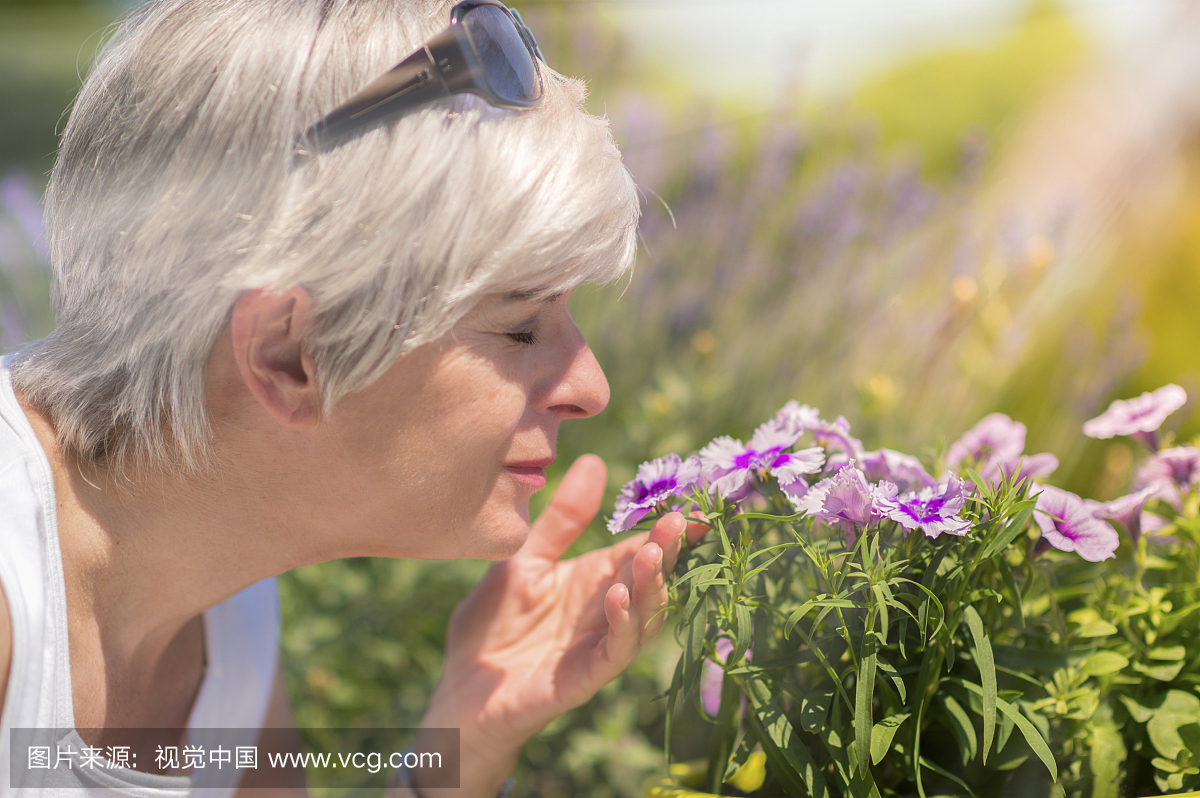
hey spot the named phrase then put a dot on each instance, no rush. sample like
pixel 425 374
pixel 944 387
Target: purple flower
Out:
pixel 835 436
pixel 995 446
pixel 933 511
pixel 795 417
pixel 712 677
pixel 846 500
pixel 1179 467
pixel 1127 511
pixel 728 463
pixel 656 482
pixel 1139 417
pixel 1069 523
pixel 903 469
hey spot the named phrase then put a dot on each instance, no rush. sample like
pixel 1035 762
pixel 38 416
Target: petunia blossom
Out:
pixel 1128 511
pixel 712 678
pixel 903 469
pixel 655 483
pixel 1178 467
pixel 996 446
pixel 1069 523
pixel 728 463
pixel 935 511
pixel 1139 417
pixel 846 500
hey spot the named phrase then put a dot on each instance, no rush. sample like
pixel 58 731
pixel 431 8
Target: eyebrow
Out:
pixel 529 296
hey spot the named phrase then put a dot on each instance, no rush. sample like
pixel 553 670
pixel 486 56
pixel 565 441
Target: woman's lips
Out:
pixel 531 473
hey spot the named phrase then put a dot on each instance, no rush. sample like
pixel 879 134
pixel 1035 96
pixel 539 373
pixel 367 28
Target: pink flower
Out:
pixel 934 512
pixel 1178 467
pixel 846 500
pixel 903 469
pixel 1139 417
pixel 995 446
pixel 1127 512
pixel 1069 523
pixel 656 482
pixel 712 677
pixel 729 463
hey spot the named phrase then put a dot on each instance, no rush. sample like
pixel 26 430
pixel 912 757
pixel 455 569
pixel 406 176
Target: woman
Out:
pixel 292 329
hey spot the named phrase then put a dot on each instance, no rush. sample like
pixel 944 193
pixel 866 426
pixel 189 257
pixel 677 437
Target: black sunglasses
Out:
pixel 487 50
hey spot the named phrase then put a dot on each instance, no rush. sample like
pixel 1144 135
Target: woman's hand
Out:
pixel 538 635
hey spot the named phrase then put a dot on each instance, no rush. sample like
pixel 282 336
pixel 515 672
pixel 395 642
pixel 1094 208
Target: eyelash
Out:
pixel 526 338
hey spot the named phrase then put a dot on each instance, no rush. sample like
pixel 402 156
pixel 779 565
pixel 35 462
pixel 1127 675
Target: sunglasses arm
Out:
pixel 442 67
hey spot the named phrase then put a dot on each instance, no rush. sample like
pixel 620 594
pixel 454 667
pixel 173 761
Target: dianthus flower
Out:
pixel 655 483
pixel 1069 523
pixel 932 510
pixel 846 500
pixel 1139 417
pixel 728 463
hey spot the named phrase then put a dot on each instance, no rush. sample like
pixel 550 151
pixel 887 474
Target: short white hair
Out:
pixel 178 187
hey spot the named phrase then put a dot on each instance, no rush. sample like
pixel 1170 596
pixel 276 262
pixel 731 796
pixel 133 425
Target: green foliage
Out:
pixel 928 101
pixel 888 663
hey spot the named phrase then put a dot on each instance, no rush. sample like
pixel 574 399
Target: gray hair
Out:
pixel 178 187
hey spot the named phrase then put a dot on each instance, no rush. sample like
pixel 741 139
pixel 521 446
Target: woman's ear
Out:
pixel 268 331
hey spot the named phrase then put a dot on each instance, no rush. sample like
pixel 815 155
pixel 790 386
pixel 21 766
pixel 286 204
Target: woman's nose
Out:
pixel 580 388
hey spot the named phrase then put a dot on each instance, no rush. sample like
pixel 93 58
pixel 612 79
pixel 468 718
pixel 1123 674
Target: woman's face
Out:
pixel 446 448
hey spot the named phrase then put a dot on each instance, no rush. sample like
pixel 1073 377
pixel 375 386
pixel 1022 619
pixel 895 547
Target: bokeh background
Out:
pixel 906 212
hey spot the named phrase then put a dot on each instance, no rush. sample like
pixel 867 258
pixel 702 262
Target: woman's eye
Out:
pixel 525 338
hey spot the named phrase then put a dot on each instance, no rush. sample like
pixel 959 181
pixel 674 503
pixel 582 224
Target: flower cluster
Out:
pixel 836 482
pixel 1168 475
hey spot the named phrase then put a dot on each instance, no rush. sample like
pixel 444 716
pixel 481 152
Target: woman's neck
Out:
pixel 141 563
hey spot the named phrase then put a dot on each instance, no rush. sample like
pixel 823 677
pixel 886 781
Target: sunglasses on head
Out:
pixel 486 50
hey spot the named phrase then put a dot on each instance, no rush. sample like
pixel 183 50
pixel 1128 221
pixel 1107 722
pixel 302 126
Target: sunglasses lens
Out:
pixel 505 56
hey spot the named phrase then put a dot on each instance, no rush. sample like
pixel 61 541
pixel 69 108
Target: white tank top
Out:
pixel 241 634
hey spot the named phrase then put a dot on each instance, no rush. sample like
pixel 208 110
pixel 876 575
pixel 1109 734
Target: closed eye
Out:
pixel 525 338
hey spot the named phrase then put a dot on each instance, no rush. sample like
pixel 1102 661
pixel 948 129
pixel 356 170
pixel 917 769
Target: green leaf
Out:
pixel 693 649
pixel 947 775
pixel 1164 673
pixel 1105 758
pixel 814 709
pixel 1027 729
pixel 987 672
pixel 724 734
pixel 1011 583
pixel 700 572
pixel 790 760
pixel 961 726
pixel 741 624
pixel 884 666
pixel 1010 532
pixel 882 734
pixel 1030 659
pixel 1178 709
pixel 1095 629
pixel 1168 653
pixel 863 700
pixel 1103 662
pixel 1136 711
pixel 804 609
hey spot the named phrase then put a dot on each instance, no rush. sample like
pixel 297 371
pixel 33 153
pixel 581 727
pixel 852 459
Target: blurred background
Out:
pixel 906 212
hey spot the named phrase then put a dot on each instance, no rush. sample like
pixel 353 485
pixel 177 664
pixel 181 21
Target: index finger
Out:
pixel 574 505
